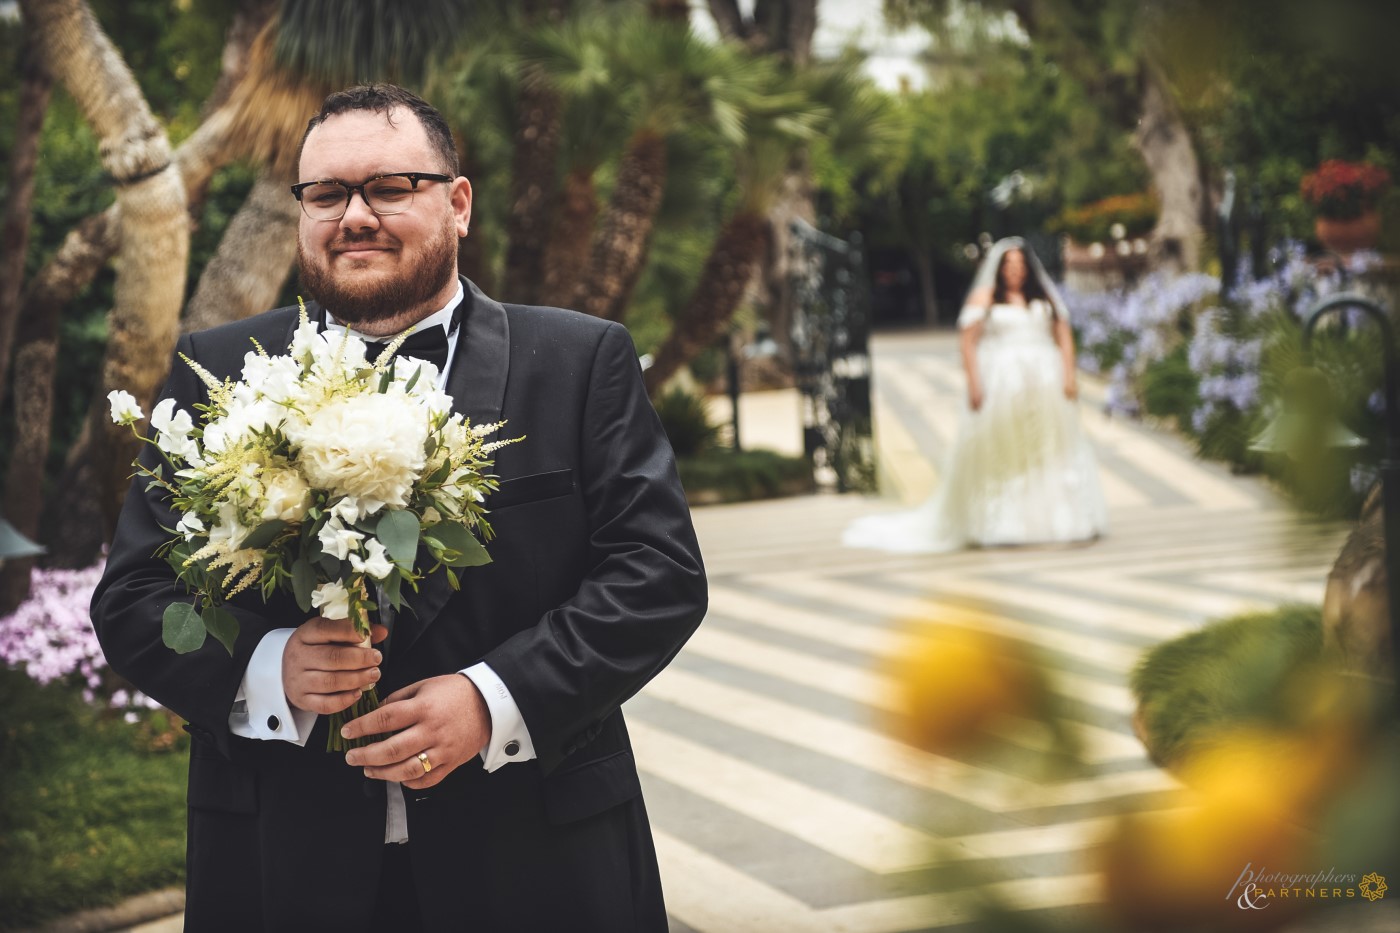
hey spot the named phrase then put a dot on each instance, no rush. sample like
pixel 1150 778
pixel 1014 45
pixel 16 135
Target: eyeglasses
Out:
pixel 383 194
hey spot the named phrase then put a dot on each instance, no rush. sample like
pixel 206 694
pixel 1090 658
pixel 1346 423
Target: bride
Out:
pixel 1021 470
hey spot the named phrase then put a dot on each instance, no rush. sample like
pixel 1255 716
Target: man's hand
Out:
pixel 442 716
pixel 326 667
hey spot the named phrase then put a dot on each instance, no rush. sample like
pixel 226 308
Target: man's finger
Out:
pixel 318 630
pixel 390 717
pixel 391 750
pixel 339 656
pixel 327 703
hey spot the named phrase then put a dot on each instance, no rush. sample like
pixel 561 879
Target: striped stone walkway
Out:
pixel 780 801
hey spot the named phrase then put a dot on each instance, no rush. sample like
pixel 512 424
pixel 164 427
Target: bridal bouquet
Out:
pixel 317 472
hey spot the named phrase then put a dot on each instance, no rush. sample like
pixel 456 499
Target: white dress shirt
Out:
pixel 261 709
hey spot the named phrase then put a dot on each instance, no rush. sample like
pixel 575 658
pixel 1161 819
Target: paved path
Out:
pixel 779 803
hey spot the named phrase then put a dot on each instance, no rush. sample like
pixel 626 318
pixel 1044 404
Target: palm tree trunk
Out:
pixel 533 172
pixel 735 257
pixel 36 85
pixel 620 248
pixel 1165 143
pixel 36 357
pixel 566 259
pixel 154 235
pixel 253 260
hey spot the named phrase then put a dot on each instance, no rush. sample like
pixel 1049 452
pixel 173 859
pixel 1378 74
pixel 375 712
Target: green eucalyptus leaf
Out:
pixel 181 628
pixel 398 532
pixel 303 582
pixel 392 589
pixel 459 538
pixel 222 625
pixel 263 535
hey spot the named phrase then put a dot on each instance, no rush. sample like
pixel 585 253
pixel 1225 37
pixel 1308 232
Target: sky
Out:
pixel 893 55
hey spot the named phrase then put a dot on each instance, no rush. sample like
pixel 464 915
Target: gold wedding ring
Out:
pixel 427 765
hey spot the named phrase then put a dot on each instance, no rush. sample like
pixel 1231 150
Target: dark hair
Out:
pixel 385 99
pixel 1032 289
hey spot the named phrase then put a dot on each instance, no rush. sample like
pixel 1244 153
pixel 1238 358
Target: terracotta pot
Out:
pixel 1348 236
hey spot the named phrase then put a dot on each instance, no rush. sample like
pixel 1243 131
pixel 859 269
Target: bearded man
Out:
pixel 505 796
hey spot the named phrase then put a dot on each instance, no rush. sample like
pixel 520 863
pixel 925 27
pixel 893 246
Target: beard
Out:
pixel 406 290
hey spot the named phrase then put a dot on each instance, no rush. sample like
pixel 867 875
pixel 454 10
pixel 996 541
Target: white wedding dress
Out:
pixel 1021 470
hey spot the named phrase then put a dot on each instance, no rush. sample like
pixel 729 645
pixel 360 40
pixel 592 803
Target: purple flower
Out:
pixel 51 637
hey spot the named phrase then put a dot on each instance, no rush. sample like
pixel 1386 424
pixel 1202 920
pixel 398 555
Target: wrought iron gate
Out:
pixel 831 344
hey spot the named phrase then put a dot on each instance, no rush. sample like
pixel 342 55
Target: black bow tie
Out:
pixel 428 345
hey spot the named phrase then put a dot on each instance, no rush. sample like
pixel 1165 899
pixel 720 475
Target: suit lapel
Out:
pixel 477 384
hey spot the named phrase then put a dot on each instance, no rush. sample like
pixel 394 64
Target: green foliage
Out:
pixel 93 809
pixel 343 43
pixel 724 475
pixel 686 422
pixel 1169 387
pixel 1228 673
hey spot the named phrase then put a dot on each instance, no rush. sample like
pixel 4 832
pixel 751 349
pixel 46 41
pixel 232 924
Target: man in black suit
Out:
pixel 506 797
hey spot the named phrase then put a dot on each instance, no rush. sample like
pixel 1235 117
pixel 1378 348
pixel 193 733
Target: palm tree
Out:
pixel 574 58
pixel 673 81
pixel 154 236
pixel 36 83
pixel 781 121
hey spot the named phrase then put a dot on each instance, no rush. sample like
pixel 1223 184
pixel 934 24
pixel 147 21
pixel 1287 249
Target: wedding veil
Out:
pixel 987 272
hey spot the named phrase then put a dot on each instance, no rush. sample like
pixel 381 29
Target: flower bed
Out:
pixel 1170 348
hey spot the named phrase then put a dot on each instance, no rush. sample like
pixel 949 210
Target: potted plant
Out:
pixel 1345 196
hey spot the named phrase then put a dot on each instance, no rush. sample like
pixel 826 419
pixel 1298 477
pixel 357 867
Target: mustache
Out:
pixel 348 241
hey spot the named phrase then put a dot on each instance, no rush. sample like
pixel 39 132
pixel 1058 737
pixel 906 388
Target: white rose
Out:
pixel 285 495
pixel 370 446
pixel 333 599
pixel 377 564
pixel 338 540
pixel 124 407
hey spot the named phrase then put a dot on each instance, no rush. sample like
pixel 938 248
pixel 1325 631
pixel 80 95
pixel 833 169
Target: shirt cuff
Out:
pixel 510 739
pixel 260 708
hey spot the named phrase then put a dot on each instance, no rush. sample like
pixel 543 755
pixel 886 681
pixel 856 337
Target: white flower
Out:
pixel 377 564
pixel 168 421
pixel 333 599
pixel 276 378
pixel 352 508
pixel 338 540
pixel 190 526
pixel 173 431
pixel 227 528
pixel 285 495
pixel 431 516
pixel 370 446
pixel 124 407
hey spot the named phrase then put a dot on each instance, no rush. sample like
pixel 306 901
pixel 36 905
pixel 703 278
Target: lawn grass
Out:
pixel 92 809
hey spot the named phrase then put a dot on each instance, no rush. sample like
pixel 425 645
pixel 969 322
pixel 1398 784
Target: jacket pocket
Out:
pixel 532 488
pixel 219 784
pixel 591 788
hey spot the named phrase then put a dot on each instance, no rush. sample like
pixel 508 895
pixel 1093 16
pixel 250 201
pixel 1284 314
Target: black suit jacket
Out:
pixel 595 584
